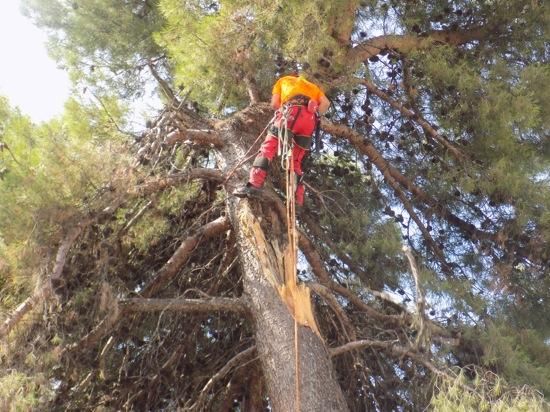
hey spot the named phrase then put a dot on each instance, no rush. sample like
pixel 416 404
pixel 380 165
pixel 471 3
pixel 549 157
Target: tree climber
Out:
pixel 298 104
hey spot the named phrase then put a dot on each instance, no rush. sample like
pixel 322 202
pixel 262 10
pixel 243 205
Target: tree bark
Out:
pixel 274 325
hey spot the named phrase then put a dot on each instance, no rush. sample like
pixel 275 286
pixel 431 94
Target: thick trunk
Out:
pixel 274 325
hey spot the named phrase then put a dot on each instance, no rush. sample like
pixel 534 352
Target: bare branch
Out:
pixel 178 259
pixel 135 305
pixel 318 232
pixel 183 305
pixel 392 348
pixel 164 86
pixel 234 362
pixel 420 302
pixel 407 43
pixel 202 137
pixel 156 185
pixel 316 263
pixel 44 291
pixel 329 298
pixel 252 88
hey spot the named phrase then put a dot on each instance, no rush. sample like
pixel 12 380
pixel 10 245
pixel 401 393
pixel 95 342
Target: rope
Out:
pixel 246 156
pixel 283 146
pixel 292 239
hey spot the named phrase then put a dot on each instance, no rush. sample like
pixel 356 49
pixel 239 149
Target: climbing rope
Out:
pixel 291 280
pixel 247 156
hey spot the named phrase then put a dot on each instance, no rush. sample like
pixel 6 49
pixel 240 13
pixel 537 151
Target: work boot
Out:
pixel 248 191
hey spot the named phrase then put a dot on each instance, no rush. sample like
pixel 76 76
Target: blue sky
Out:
pixel 28 77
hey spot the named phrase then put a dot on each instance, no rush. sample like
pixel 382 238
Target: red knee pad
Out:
pixel 257 177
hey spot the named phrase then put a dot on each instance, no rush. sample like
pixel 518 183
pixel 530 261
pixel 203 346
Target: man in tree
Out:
pixel 298 104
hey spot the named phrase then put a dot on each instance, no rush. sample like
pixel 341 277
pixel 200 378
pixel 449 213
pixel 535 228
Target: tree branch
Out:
pixel 341 23
pixel 316 263
pixel 406 43
pixel 405 318
pixel 421 337
pixel 202 137
pixel 456 152
pixel 318 232
pixel 390 347
pixel 252 88
pixel 216 304
pixel 44 291
pixel 156 185
pixel 392 175
pixel 329 298
pixel 178 259
pixel 122 307
pixel 234 362
pixel 164 86
pixel 387 345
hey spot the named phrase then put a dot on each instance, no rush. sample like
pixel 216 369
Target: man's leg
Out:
pixel 259 169
pixel 298 155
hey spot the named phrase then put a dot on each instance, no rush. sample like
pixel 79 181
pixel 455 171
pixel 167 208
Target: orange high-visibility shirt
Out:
pixel 290 86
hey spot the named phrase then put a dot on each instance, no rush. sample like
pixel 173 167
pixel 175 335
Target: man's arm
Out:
pixel 276 101
pixel 324 104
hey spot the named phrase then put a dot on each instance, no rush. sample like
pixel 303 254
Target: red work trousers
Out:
pixel 301 123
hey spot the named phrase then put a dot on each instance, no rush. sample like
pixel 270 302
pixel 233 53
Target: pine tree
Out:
pixel 162 287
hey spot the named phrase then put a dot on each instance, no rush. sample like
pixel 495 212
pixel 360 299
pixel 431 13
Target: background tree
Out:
pixel 160 286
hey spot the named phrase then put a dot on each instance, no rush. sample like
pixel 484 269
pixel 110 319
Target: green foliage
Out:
pixel 51 173
pixel 518 355
pixel 103 43
pixel 484 392
pixel 489 214
pixel 213 46
pixel 20 392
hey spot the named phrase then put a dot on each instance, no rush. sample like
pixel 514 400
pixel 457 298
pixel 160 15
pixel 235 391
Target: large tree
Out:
pixel 424 241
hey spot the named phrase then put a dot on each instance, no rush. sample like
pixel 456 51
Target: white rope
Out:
pixel 283 145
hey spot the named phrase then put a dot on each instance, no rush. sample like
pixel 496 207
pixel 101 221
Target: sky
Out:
pixel 28 77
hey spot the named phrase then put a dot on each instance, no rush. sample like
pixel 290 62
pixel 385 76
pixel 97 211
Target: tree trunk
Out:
pixel 274 325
